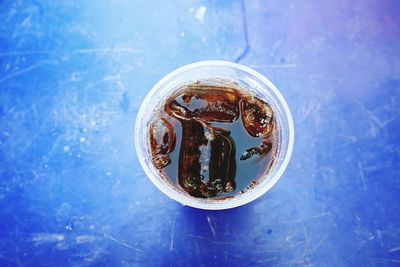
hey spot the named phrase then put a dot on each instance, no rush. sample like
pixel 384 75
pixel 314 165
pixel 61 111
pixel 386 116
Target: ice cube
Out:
pixel 264 148
pixel 162 136
pixel 221 168
pixel 189 171
pixel 208 103
pixel 257 117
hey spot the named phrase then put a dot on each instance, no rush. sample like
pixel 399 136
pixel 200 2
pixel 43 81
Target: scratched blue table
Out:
pixel 73 75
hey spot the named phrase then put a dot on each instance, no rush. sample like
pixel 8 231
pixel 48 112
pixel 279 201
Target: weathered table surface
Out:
pixel 73 75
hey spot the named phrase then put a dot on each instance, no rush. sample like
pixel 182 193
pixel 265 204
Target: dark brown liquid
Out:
pixel 213 140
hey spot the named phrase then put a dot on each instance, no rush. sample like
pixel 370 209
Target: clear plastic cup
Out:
pixel 241 75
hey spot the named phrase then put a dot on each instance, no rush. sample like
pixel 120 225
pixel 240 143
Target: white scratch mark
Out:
pixel 267 260
pixel 321 215
pixel 283 66
pixel 290 237
pixel 394 249
pixel 306 111
pixel 276 66
pixel 27 22
pixel 200 12
pixel 377 121
pixel 36 175
pixel 360 169
pixel 112 238
pixel 25 70
pixel 316 246
pixel 103 50
pixel 84 239
pixel 295 262
pixel 213 241
pixel 212 228
pixel 46 238
pixel 171 245
pixel 109 78
pixel 385 260
pixel 276 45
pixel 307 240
pixel 106 50
pixel 379 234
pixel 292 245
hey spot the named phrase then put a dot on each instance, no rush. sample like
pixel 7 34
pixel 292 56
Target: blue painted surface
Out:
pixel 73 74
